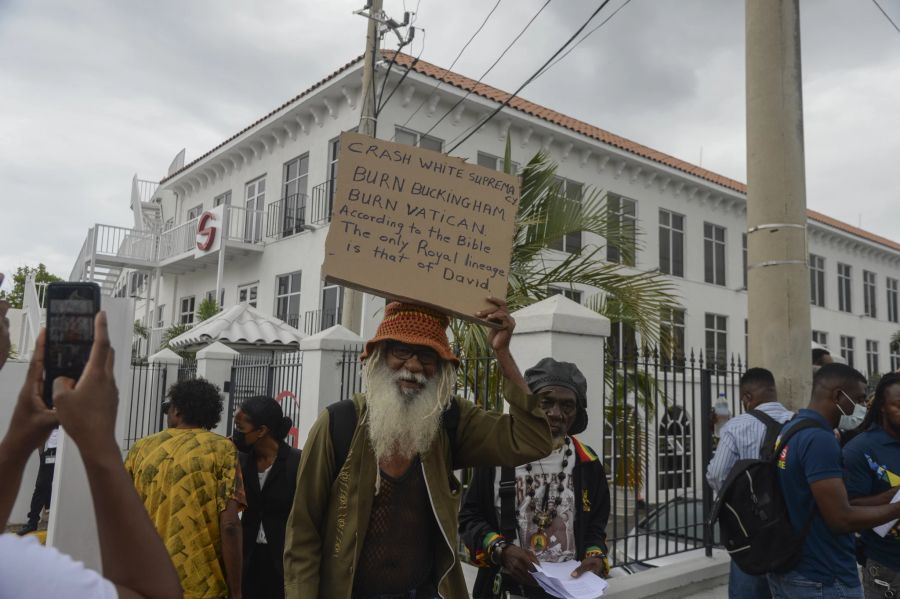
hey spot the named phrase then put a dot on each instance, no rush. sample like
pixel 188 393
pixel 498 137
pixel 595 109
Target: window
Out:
pixel 211 296
pixel 186 316
pixel 869 308
pixel 495 162
pixel 671 243
pixel 891 299
pixel 622 341
pixel 569 292
pixel 413 138
pixel 716 341
pixel 847 349
pixel 195 212
pixel 287 298
pixel 871 358
pixel 820 337
pixel 895 356
pixel 254 204
pixel 334 147
pixel 572 191
pixel 294 186
pixel 817 280
pixel 248 293
pixel 671 334
pixel 170 222
pixel 622 219
pixel 744 255
pixel 674 450
pixel 332 300
pixel 160 316
pixel 714 254
pixel 844 278
pixel 225 199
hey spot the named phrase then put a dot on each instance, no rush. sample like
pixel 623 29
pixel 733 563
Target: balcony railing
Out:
pixel 287 216
pixel 120 242
pixel 178 240
pixel 322 203
pixel 244 224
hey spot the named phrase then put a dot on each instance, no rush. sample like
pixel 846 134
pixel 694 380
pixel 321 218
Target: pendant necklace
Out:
pixel 544 516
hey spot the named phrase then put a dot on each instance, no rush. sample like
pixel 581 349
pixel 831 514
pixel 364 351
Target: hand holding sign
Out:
pixel 420 226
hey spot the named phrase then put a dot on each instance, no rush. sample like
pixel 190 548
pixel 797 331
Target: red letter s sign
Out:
pixel 206 233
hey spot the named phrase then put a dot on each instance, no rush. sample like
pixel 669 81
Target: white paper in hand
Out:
pixel 556 579
pixel 886 527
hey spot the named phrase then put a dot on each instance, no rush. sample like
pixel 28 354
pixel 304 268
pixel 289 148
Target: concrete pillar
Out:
pixel 566 331
pixel 73 528
pixel 778 275
pixel 214 364
pixel 321 384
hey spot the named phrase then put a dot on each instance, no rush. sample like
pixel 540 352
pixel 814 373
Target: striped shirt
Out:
pixel 740 439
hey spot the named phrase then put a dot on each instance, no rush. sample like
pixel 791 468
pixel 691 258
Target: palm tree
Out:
pixel 623 295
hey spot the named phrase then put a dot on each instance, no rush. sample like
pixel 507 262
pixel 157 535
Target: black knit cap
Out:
pixel 549 372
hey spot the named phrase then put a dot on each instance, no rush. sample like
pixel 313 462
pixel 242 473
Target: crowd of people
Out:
pixel 837 475
pixel 370 509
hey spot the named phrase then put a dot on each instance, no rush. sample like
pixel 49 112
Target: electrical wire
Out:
pixel 409 68
pixel 586 35
pixel 489 69
pixel 886 15
pixel 447 70
pixel 506 102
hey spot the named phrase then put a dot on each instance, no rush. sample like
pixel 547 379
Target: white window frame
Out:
pixel 817 280
pixel 820 337
pixel 870 289
pixel 715 254
pixel 719 346
pixel 286 297
pixel 570 292
pixel 418 138
pixel 222 198
pixel 496 162
pixel 845 287
pixel 672 232
pixel 848 349
pixel 894 349
pixel 573 191
pixel 250 292
pixel 892 299
pixel 187 316
pixel 161 316
pixel 871 357
pixel 624 216
pixel 194 212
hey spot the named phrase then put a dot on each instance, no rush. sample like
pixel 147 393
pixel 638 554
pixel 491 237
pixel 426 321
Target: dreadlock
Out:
pixel 875 413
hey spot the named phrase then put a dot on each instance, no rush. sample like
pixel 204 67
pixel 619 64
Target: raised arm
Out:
pixel 841 517
pixel 134 557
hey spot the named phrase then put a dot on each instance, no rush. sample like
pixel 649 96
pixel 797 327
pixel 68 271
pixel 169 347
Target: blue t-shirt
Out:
pixel 811 455
pixel 872 466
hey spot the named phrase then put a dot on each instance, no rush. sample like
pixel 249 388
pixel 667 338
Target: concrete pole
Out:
pixel 351 308
pixel 778 278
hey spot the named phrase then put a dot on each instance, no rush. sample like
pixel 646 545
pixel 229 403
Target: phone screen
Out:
pixel 71 309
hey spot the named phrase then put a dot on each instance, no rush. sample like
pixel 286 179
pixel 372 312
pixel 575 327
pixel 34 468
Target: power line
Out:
pixel 586 35
pixel 447 70
pixel 409 68
pixel 530 79
pixel 489 69
pixel 886 15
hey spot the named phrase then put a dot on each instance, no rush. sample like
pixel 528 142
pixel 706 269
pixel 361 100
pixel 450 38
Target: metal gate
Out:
pixel 277 376
pixel 148 391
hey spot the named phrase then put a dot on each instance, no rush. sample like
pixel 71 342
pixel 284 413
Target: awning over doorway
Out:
pixel 241 326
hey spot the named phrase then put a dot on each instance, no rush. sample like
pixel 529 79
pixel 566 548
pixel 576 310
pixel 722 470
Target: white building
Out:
pixel 275 179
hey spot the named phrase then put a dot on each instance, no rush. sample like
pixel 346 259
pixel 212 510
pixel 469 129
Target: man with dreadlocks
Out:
pixel 377 518
pixel 872 476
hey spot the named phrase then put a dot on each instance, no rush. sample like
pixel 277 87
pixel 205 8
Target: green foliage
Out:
pixel 140 330
pixel 172 332
pixel 41 275
pixel 207 309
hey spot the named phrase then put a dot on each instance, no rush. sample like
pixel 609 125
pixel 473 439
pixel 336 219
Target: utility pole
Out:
pixel 778 279
pixel 351 307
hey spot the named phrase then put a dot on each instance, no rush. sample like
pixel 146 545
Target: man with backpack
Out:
pixel 748 436
pixel 375 512
pixel 810 477
pixel 553 510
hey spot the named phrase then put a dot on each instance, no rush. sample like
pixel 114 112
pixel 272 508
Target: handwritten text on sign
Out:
pixel 419 225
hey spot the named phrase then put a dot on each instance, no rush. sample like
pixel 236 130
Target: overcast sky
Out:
pixel 94 91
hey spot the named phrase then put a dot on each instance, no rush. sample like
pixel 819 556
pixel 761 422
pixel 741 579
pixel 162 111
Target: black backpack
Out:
pixel 753 519
pixel 342 425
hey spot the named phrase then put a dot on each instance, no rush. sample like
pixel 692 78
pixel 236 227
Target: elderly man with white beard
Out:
pixel 377 518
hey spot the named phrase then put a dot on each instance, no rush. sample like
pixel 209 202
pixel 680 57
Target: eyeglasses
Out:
pixel 426 357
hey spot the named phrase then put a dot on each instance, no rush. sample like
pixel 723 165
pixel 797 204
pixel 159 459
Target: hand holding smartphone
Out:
pixel 71 309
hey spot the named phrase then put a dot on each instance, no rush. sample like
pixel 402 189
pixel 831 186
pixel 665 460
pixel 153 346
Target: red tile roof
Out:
pixel 557 118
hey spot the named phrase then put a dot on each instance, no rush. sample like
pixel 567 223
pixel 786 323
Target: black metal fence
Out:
pixel 275 375
pixel 188 370
pixel 660 422
pixel 351 371
pixel 148 390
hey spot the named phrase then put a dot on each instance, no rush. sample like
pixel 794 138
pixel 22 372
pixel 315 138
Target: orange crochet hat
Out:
pixel 415 325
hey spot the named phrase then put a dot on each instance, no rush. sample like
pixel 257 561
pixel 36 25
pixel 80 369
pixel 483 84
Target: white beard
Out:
pixel 403 422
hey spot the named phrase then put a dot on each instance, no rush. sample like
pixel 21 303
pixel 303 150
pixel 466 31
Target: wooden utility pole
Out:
pixel 778 279
pixel 351 308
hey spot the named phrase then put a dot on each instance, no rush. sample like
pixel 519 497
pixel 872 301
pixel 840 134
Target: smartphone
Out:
pixel 71 308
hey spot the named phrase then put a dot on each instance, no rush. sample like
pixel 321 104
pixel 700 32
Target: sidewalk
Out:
pixel 716 593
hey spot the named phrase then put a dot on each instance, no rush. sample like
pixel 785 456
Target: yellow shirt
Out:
pixel 185 478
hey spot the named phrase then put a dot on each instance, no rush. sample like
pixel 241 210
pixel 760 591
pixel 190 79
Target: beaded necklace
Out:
pixel 544 516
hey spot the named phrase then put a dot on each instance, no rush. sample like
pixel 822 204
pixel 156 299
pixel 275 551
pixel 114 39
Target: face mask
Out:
pixel 240 441
pixel 854 419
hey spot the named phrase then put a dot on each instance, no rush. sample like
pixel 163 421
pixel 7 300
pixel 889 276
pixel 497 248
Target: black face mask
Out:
pixel 240 441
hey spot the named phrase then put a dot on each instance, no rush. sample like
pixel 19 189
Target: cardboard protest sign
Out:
pixel 417 225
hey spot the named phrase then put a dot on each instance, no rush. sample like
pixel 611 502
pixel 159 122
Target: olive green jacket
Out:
pixel 327 526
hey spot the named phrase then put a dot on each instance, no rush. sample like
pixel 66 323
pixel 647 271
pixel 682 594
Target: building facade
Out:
pixel 275 178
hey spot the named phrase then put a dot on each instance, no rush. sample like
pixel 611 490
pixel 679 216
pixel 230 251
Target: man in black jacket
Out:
pixel 552 510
